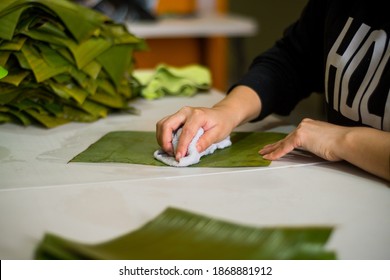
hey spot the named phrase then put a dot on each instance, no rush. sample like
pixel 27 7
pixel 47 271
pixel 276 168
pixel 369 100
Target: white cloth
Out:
pixel 193 156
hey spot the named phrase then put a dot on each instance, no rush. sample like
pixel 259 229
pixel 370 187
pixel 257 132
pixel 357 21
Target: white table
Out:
pixel 41 192
pixel 199 26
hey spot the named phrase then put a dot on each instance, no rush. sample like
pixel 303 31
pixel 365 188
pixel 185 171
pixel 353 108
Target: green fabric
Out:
pixel 137 147
pixel 180 235
pixel 169 80
pixel 65 56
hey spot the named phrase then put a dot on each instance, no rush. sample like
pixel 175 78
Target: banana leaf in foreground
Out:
pixel 180 235
pixel 65 63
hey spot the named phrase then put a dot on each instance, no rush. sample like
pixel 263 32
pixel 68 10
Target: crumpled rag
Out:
pixel 193 156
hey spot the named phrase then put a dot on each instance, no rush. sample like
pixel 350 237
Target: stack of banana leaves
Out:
pixel 62 62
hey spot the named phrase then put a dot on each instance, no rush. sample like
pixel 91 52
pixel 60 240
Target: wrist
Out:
pixel 242 104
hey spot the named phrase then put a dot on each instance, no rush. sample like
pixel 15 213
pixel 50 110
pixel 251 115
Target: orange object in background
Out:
pixel 172 51
pixel 180 7
pixel 180 51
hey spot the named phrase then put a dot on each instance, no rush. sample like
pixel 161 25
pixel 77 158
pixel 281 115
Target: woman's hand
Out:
pixel 214 122
pixel 367 148
pixel 240 106
pixel 317 137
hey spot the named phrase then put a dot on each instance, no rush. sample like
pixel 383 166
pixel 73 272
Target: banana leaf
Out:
pixel 7 95
pixel 68 12
pixel 14 45
pixel 112 101
pixel 59 52
pixel 15 79
pixel 115 61
pixel 181 235
pixel 78 94
pixel 15 114
pixel 137 147
pixel 4 56
pixel 87 115
pixel 95 109
pixel 48 121
pixel 92 69
pixel 5 117
pixel 8 24
pixel 3 72
pixel 41 68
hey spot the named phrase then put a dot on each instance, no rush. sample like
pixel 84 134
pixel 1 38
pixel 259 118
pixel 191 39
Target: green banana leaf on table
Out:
pixel 137 147
pixel 181 235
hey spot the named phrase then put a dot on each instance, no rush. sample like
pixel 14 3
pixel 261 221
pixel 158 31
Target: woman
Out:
pixel 337 47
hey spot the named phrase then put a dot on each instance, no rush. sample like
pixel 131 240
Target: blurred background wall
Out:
pixel 227 56
pixel 272 17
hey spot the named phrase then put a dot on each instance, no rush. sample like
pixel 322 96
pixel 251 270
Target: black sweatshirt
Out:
pixel 337 47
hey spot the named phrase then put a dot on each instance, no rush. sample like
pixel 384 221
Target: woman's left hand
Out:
pixel 365 147
pixel 318 137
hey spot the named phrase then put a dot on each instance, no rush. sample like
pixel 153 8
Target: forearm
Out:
pixel 368 149
pixel 242 104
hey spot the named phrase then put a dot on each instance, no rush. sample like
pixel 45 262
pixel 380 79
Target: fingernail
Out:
pixel 178 156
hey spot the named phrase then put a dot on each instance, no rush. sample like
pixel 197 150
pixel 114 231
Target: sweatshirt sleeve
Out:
pixel 293 68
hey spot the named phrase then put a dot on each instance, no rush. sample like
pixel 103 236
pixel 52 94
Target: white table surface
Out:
pixel 41 192
pixel 199 26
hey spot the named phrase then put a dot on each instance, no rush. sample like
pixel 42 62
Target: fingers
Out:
pixel 196 118
pixel 165 128
pixel 277 150
pixel 187 134
pixel 215 123
pixel 308 135
pixel 281 148
pixel 190 119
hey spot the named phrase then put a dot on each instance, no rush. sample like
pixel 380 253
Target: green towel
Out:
pixel 180 235
pixel 169 80
pixel 137 147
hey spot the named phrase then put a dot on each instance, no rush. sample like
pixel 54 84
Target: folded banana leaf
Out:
pixel 137 147
pixel 169 80
pixel 66 62
pixel 3 72
pixel 181 235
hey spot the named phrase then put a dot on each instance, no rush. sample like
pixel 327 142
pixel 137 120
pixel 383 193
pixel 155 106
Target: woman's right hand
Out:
pixel 214 122
pixel 241 105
